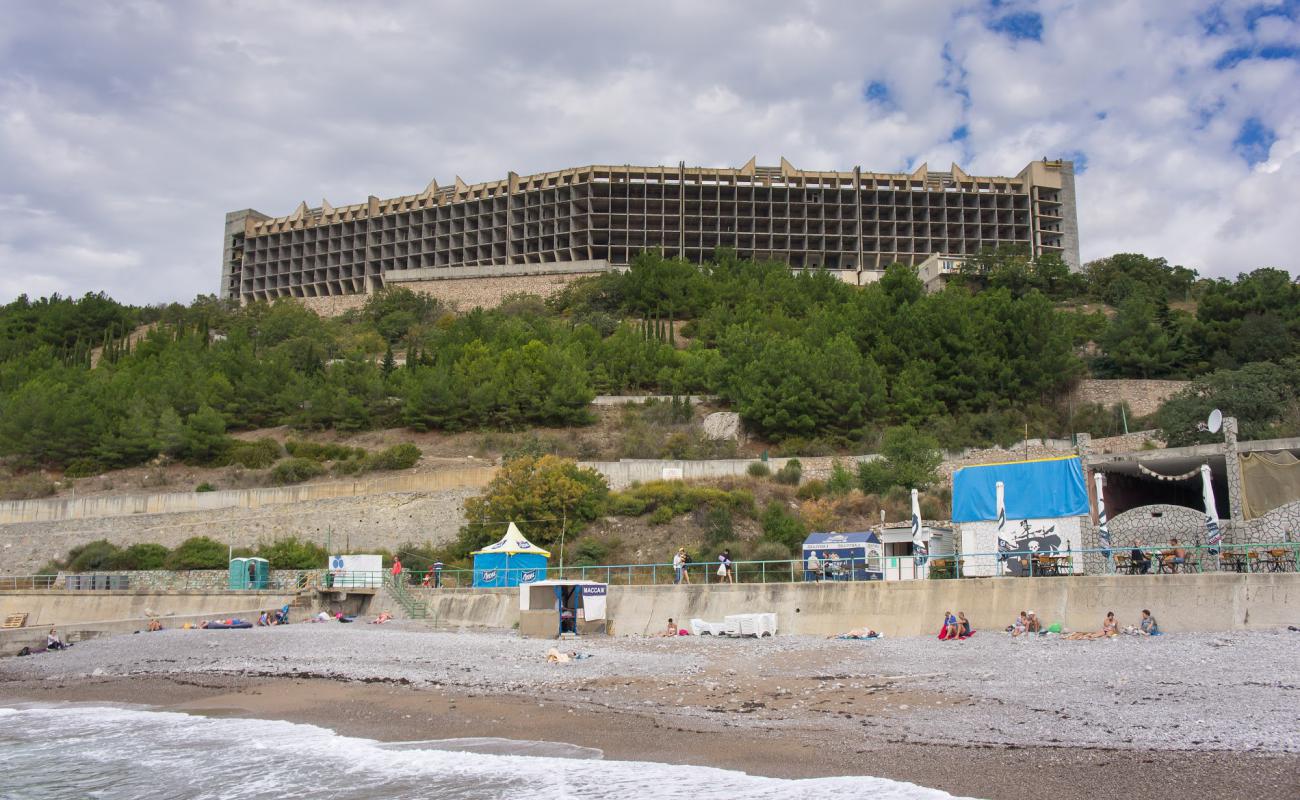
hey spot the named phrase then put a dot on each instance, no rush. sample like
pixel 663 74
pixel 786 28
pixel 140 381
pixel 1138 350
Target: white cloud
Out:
pixel 128 129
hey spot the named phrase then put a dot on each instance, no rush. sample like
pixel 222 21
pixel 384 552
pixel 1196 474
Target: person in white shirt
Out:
pixel 814 567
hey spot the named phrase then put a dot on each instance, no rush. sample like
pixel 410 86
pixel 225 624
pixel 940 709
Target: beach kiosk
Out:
pixel 249 573
pixel 549 609
pixel 510 562
pixel 843 556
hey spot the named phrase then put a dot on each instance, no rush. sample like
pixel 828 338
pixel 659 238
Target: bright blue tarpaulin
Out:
pixel 1032 490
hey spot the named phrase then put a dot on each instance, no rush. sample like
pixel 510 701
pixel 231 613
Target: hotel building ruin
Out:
pixel 595 218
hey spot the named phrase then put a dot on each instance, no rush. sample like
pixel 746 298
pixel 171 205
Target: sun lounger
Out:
pixel 701 628
pixel 756 625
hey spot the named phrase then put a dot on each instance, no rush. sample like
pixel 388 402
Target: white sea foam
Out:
pixel 113 752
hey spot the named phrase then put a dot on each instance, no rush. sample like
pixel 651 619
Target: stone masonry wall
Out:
pixel 463 293
pixel 1143 397
pixel 376 520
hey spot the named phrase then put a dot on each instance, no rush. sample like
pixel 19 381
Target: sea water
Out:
pixel 82 751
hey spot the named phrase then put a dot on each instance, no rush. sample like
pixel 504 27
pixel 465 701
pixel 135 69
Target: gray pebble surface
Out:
pixel 1235 691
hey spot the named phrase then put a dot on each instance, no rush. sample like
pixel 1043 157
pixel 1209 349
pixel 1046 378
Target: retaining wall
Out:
pixel 365 521
pixel 179 502
pixel 65 608
pixel 1215 602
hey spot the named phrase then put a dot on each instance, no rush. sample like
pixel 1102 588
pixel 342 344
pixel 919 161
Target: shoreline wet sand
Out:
pixel 789 708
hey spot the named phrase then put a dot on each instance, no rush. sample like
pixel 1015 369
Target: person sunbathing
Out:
pixel 383 617
pixel 856 633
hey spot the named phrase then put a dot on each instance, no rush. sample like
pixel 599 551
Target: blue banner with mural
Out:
pixel 1033 490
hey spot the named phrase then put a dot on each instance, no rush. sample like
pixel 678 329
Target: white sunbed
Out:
pixel 701 628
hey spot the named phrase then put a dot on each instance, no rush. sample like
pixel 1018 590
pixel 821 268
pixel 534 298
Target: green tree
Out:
pixel 542 495
pixel 909 458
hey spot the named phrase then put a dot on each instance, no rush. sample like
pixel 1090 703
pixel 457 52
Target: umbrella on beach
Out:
pixel 1214 536
pixel 920 549
pixel 1103 528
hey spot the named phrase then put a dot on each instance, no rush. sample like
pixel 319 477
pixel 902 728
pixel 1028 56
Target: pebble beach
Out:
pixel 1225 705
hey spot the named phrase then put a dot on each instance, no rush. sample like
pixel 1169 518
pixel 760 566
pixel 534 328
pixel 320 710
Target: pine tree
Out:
pixel 390 363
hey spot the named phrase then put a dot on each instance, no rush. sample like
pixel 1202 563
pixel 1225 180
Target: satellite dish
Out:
pixel 1215 422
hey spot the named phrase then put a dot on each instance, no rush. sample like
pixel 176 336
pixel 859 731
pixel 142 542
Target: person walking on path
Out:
pixel 397 569
pixel 680 560
pixel 726 567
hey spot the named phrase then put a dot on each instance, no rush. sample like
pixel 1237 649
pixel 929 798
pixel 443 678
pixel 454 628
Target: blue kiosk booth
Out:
pixel 844 556
pixel 510 562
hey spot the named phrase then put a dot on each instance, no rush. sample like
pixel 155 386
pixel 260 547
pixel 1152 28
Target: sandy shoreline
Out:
pixel 806 708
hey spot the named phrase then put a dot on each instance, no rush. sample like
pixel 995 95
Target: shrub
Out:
pixel 758 470
pixel 93 556
pixel 146 555
pixel 779 525
pixel 84 468
pixel 401 456
pixel 198 552
pixel 258 454
pixel 205 487
pixel 812 490
pixel 874 477
pixel 295 470
pixel 26 487
pixel 350 466
pixel 769 551
pixel 841 480
pixel 718 526
pixel 790 473
pixel 589 552
pixel 322 452
pixel 293 553
pixel 662 515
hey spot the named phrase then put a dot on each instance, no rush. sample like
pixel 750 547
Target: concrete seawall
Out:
pixel 1215 602
pixel 63 608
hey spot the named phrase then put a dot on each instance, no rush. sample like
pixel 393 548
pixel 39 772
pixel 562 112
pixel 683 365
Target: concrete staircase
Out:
pixel 401 602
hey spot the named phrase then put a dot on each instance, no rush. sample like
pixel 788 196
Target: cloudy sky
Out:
pixel 128 129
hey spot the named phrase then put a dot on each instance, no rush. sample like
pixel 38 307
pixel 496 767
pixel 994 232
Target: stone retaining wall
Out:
pixel 1143 396
pixel 364 521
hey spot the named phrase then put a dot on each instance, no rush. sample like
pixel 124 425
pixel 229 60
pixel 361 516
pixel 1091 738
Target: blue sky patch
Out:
pixel 1019 25
pixel 959 134
pixel 1253 141
pixel 1289 9
pixel 876 92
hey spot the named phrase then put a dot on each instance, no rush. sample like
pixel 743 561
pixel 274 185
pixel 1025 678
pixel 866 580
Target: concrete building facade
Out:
pixel 596 218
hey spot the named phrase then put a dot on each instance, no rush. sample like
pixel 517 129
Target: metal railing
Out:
pixel 415 609
pixel 1270 557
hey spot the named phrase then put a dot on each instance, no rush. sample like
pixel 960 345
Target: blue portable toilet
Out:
pixel 845 556
pixel 510 562
pixel 238 574
pixel 249 573
pixel 259 573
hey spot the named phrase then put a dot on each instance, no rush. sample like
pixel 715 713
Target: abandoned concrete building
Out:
pixel 597 218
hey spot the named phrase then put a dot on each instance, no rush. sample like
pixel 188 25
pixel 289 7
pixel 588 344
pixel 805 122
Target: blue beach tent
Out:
pixel 510 562
pixel 854 556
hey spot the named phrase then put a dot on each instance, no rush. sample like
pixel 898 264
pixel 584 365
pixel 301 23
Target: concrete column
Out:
pixel 1233 462
pixel 681 209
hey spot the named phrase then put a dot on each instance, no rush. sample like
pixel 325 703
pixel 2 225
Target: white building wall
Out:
pixel 979 542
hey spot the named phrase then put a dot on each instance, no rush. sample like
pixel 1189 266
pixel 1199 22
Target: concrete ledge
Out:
pixel 64 608
pixel 1212 602
pixel 496 271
